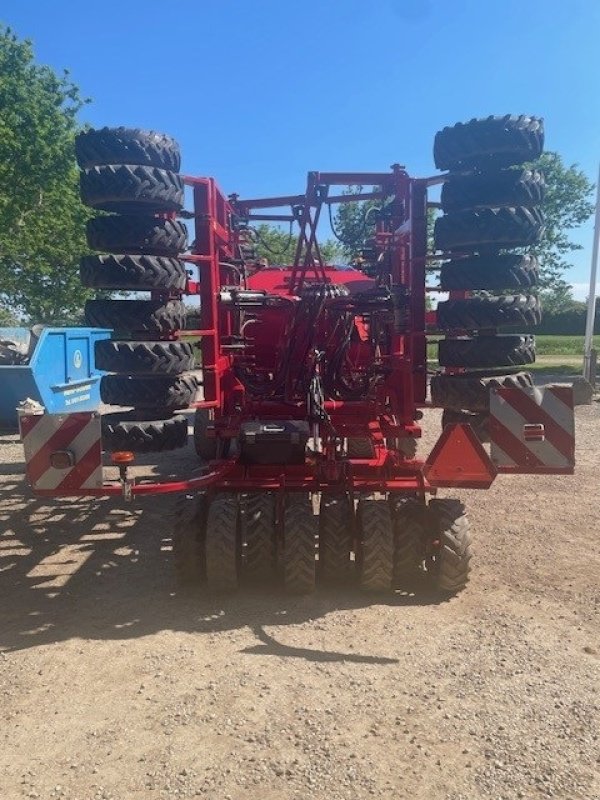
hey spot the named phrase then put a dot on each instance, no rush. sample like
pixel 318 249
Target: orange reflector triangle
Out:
pixel 458 459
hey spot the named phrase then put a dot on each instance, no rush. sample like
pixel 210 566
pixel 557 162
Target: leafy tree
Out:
pixel 567 205
pixel 278 246
pixel 42 220
pixel 8 319
pixel 354 223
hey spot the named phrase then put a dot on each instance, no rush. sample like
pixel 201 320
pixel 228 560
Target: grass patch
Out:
pixel 544 345
pixel 555 355
pixel 562 345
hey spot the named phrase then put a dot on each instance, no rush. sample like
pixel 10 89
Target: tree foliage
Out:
pixel 278 246
pixel 42 220
pixel 568 204
pixel 355 223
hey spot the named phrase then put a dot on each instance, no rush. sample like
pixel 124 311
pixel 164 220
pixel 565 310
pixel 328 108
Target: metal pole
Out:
pixel 591 309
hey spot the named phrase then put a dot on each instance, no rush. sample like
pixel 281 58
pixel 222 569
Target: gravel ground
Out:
pixel 115 685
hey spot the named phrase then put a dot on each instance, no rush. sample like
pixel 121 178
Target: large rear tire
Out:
pixel 136 234
pixel 165 392
pixel 376 555
pixel 136 316
pixel 188 535
pixel 300 535
pixel 223 543
pixel 408 536
pixel 498 271
pixel 125 431
pixel 450 566
pixel 131 189
pixel 471 392
pixel 258 532
pixel 336 527
pixel 132 272
pixel 489 228
pixel 95 147
pixel 487 352
pixel 480 313
pixel 144 358
pixel 491 142
pixel 508 187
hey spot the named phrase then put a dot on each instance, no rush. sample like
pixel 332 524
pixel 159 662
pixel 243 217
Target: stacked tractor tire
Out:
pixel 132 176
pixel 491 204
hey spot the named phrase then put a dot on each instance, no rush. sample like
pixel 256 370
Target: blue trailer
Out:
pixel 55 366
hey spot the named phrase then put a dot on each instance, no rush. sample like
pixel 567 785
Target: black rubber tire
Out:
pixel 336 525
pixel 479 313
pixel 406 445
pixel 452 561
pixel 489 227
pixel 144 358
pixel 472 392
pixel 123 431
pixel 187 538
pixel 208 449
pixel 498 271
pixel 131 190
pixel 223 543
pixel 408 518
pixel 491 142
pixel 360 447
pixel 136 316
pixel 132 272
pixel 479 422
pixel 507 187
pixel 299 540
pixel 258 535
pixel 481 352
pixel 136 234
pixel 376 554
pixel 99 146
pixel 165 392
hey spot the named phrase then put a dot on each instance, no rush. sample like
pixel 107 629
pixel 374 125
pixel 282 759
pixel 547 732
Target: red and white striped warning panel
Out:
pixel 532 430
pixel 63 452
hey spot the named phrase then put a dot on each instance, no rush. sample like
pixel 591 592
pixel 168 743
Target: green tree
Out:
pixel 279 246
pixel 42 220
pixel 355 223
pixel 568 204
pixel 8 319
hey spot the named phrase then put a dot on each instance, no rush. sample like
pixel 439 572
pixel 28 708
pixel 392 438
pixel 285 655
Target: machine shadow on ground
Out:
pixel 101 569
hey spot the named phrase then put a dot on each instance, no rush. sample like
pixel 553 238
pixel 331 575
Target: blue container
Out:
pixel 60 372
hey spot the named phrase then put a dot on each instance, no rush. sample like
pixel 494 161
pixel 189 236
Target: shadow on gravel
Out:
pixel 100 569
pixel 271 647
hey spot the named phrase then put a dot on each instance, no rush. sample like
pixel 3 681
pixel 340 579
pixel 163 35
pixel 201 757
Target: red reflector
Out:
pixel 458 459
pixel 62 459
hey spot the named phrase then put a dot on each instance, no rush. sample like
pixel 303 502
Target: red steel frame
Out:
pixel 404 235
pixel 391 412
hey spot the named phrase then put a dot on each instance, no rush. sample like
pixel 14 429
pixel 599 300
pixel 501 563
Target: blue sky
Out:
pixel 260 91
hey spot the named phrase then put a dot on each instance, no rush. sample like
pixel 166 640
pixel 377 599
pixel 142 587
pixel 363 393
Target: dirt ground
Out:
pixel 116 685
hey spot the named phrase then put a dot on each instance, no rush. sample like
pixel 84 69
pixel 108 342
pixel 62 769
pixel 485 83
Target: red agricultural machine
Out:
pixel 314 377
